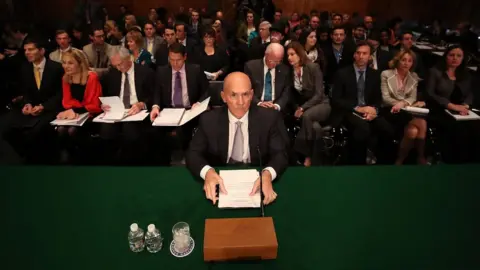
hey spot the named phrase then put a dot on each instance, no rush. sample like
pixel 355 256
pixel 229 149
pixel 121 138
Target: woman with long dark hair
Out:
pixel 309 40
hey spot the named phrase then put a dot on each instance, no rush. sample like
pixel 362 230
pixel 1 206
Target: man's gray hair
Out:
pixel 275 48
pixel 122 52
pixel 266 24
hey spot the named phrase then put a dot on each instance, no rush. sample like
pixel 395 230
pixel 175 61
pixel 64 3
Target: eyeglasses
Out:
pixel 274 62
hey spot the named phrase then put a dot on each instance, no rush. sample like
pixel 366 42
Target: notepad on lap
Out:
pixel 132 118
pixel 78 122
pixel 416 110
pixel 471 116
pixel 239 184
pixel 178 117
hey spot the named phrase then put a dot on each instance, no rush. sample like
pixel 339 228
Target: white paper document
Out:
pixel 423 47
pixel 117 109
pixel 439 53
pixel 473 68
pixel 78 122
pixel 471 116
pixel 132 118
pixel 239 184
pixel 178 117
pixel 416 110
pixel 209 75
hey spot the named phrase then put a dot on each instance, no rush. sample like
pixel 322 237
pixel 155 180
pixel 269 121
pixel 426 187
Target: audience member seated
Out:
pixel 323 37
pixel 384 40
pixel 308 39
pixel 314 23
pixel 179 85
pixel 406 43
pixel 308 99
pixel 338 54
pixel 356 98
pixel 211 58
pixel 270 78
pixel 238 134
pixel 369 25
pixel 135 45
pixel 380 58
pixel 152 42
pixel 130 22
pixel 449 86
pixel 117 37
pixel 250 28
pixel 399 89
pixel 358 34
pixel 259 44
pixel 277 33
pixel 189 43
pixel 98 52
pixel 161 55
pixel 81 92
pixel 394 31
pixel 63 42
pixel 107 28
pixel 195 25
pixel 436 33
pixel 467 39
pixel 337 20
pixel 79 37
pixel 294 20
pixel 42 93
pixel 133 83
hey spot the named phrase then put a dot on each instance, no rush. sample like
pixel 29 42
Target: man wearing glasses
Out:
pixel 99 52
pixel 270 78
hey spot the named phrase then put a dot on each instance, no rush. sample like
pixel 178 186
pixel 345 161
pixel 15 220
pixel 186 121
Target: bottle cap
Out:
pixel 134 227
pixel 151 228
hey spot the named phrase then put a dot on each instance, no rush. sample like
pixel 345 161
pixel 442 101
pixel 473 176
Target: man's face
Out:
pixel 177 60
pixel 181 9
pixel 149 30
pixel 407 41
pixel 278 16
pixel 63 40
pixel 362 55
pixel 276 37
pixel 264 32
pixel 180 32
pixel 32 53
pixel 359 33
pixel 129 20
pixel 314 22
pixel 324 36
pixel 375 44
pixel 238 97
pixel 368 21
pixel 219 15
pixel 195 16
pixel 169 36
pixel 337 20
pixel 98 37
pixel 272 60
pixel 338 36
pixel 122 65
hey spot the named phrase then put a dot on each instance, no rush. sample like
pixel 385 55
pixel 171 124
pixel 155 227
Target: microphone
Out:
pixel 262 206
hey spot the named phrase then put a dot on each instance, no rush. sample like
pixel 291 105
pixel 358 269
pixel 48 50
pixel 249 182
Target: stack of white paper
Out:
pixel 239 184
pixel 416 110
pixel 471 116
pixel 177 117
pixel 78 122
pixel 132 118
pixel 423 47
pixel 439 53
pixel 117 109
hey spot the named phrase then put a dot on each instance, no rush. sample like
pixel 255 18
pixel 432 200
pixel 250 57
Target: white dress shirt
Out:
pixel 183 76
pixel 232 127
pixel 183 42
pixel 41 67
pixel 374 61
pixel 272 72
pixel 297 80
pixel 131 81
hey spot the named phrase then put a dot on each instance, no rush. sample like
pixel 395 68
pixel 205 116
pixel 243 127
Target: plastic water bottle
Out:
pixel 135 238
pixel 153 239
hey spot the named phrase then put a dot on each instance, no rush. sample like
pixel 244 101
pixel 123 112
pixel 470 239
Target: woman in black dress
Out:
pixel 212 58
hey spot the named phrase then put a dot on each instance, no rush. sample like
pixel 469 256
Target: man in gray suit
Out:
pixel 63 41
pixel 99 52
pixel 270 78
pixel 152 41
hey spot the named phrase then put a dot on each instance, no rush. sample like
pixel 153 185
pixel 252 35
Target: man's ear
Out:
pixel 222 94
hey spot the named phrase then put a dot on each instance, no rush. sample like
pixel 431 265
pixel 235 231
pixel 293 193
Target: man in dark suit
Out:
pixel 41 87
pixel 133 83
pixel 181 33
pixel 161 55
pixel 179 85
pixel 270 79
pixel 406 43
pixel 356 98
pixel 238 134
pixel 259 44
pixel 195 25
pixel 380 58
pixel 338 54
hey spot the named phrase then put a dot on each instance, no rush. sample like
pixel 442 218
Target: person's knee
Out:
pixel 411 132
pixel 72 131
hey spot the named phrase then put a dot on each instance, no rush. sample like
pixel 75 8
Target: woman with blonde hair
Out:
pixel 399 90
pixel 81 92
pixel 135 45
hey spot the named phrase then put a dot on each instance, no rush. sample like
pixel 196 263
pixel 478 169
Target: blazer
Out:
pixel 56 56
pixel 144 82
pixel 144 58
pixel 383 57
pixel 390 95
pixel 332 65
pixel 50 92
pixel 312 87
pixel 345 94
pixel 440 87
pixel 190 47
pixel 209 145
pixel 283 81
pixel 257 49
pixel 157 41
pixel 90 102
pixel 197 85
pixel 161 55
pixel 92 57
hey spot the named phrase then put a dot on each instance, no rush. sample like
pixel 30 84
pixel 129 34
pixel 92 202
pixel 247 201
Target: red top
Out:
pixel 90 101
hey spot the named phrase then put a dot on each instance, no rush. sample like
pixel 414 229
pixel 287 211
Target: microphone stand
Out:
pixel 262 206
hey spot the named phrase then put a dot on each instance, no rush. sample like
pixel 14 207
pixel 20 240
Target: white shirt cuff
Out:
pixel 277 106
pixel 203 172
pixel 156 106
pixel 258 104
pixel 272 172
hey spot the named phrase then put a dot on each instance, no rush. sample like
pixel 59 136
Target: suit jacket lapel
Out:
pixel 45 75
pixel 138 82
pixel 168 86
pixel 190 77
pixel 223 136
pixel 253 134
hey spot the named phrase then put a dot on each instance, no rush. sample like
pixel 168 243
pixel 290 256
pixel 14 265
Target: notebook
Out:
pixel 471 116
pixel 82 118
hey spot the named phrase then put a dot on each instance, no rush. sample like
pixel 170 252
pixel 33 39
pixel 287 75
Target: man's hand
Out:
pixel 195 105
pixel 27 109
pixel 299 112
pixel 212 179
pixel 267 104
pixel 370 110
pixel 154 113
pixel 461 109
pixel 215 76
pixel 419 104
pixel 37 110
pixel 370 117
pixel 136 108
pixel 361 110
pixel 398 107
pixel 267 188
pixel 2 56
pixel 105 108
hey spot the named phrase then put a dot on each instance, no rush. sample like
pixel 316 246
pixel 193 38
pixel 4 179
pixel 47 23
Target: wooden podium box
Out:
pixel 240 239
